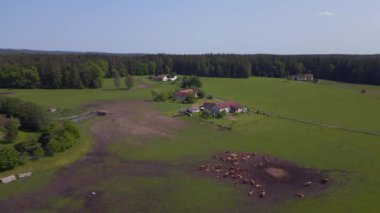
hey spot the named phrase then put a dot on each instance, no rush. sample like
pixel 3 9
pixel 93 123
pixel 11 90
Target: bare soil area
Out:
pixel 124 119
pixel 266 177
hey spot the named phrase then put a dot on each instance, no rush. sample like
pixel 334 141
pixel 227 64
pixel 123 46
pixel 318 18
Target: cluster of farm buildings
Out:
pixel 219 107
pixel 302 77
pixel 165 78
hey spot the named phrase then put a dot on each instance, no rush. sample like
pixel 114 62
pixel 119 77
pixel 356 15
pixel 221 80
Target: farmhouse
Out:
pixel 302 77
pixel 161 78
pixel 193 109
pixel 227 106
pixel 165 78
pixel 182 94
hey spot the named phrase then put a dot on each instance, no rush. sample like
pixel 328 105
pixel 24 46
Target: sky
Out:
pixel 193 26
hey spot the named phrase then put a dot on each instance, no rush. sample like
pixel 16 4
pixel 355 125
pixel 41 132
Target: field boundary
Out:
pixel 331 126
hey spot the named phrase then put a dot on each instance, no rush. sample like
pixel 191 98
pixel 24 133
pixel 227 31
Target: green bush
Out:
pixel 9 158
pixel 190 99
pixel 32 116
pixel 60 139
pixel 201 94
pixel 158 95
pixel 11 129
pixel 191 81
pixel 205 114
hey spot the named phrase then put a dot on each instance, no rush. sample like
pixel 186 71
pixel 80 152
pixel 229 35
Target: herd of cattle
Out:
pixel 235 167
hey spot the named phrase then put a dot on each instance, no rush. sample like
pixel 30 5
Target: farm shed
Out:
pixel 24 175
pixel 227 106
pixel 8 179
pixel 182 94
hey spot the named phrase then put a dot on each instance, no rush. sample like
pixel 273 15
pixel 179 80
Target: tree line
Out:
pixel 71 70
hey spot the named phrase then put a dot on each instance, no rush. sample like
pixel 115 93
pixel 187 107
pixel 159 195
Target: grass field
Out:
pixel 350 158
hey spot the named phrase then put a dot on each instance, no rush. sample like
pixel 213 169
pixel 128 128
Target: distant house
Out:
pixel 227 106
pixel 161 78
pixel 193 109
pixel 182 94
pixel 165 78
pixel 302 77
pixel 309 76
pixel 173 78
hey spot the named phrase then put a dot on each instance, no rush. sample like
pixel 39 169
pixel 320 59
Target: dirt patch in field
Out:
pixel 124 119
pixel 143 85
pixel 266 177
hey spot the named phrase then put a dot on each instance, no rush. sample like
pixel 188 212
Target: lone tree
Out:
pixel 11 129
pixel 116 79
pixel 158 95
pixel 9 158
pixel 192 81
pixel 129 82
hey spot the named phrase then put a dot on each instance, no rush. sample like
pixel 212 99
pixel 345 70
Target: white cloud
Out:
pixel 326 13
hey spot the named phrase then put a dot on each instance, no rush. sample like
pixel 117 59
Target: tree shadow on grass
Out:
pixel 5 142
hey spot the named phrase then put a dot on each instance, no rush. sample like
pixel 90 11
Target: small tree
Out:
pixel 210 97
pixel 201 94
pixel 205 114
pixel 38 152
pixel 158 95
pixel 129 82
pixel 11 129
pixel 190 99
pixel 192 81
pixel 9 158
pixel 116 79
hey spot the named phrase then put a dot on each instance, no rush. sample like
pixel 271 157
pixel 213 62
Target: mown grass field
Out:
pixel 350 158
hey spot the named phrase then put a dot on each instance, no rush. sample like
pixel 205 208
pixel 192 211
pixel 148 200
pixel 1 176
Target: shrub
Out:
pixel 190 99
pixel 11 129
pixel 158 95
pixel 192 81
pixel 9 158
pixel 58 140
pixel 220 115
pixel 129 82
pixel 210 97
pixel 205 114
pixel 31 115
pixel 201 94
pixel 28 147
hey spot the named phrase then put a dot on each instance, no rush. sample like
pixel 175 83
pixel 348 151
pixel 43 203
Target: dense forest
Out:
pixel 86 70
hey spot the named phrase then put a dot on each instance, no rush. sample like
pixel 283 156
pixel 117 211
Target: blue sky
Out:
pixel 196 26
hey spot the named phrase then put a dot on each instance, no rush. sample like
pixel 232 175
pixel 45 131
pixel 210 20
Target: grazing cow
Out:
pixel 258 186
pixel 214 157
pixel 245 181
pixel 251 192
pixel 203 167
pixel 324 181
pixel 262 194
pixel 252 182
pixel 300 195
pixel 218 166
pixel 307 184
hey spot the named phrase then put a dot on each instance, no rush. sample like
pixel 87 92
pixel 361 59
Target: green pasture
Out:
pixel 351 159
